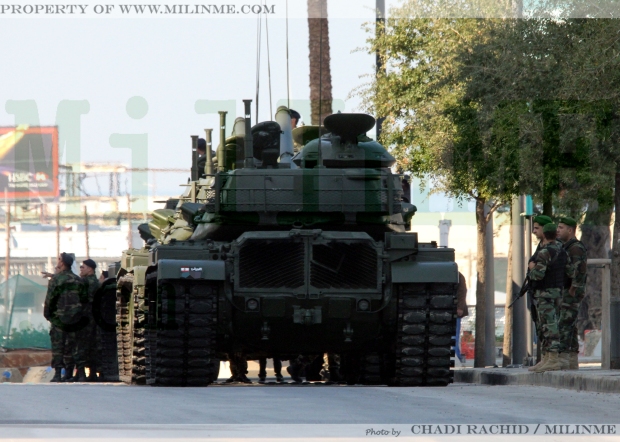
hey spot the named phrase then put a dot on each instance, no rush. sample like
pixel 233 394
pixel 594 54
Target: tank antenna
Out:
pixel 271 115
pixel 258 47
pixel 209 160
pixel 248 142
pixel 288 76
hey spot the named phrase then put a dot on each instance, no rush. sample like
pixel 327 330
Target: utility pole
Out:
pixel 86 231
pixel 520 318
pixel 58 231
pixel 7 259
pixel 8 306
pixel 379 31
pixel 489 320
pixel 129 239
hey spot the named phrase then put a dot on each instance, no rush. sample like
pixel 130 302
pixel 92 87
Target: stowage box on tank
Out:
pixel 269 253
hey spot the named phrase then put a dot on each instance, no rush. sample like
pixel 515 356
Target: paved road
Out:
pixel 289 404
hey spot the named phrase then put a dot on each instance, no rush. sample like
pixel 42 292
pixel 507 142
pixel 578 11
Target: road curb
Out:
pixel 596 380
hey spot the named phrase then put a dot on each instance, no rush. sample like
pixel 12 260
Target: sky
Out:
pixel 172 64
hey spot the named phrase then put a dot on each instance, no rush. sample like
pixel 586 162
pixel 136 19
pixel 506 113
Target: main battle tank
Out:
pixel 271 253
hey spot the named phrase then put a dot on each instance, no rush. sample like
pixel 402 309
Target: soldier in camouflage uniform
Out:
pixel 574 292
pixel 547 274
pixel 538 224
pixel 63 308
pixel 89 334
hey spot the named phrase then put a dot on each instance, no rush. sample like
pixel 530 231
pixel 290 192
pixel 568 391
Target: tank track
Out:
pixel 130 332
pixel 138 368
pixel 124 328
pixel 426 326
pixel 186 334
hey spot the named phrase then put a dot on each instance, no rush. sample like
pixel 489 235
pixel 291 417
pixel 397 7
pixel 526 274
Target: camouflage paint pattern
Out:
pixel 576 271
pixel 547 301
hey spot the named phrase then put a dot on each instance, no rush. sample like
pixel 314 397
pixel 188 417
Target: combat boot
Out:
pixel 573 361
pixel 279 378
pixel 564 360
pixel 294 373
pixel 243 379
pixel 68 374
pixel 553 363
pixel 539 364
pixel 92 375
pixel 57 375
pixel 81 375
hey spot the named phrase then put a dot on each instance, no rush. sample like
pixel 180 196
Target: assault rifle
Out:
pixel 526 287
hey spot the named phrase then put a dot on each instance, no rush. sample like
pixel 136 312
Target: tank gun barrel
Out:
pixel 209 160
pixel 221 151
pixel 249 146
pixel 194 173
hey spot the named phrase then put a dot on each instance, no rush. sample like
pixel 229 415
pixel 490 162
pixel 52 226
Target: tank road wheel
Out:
pixel 186 330
pixel 104 312
pixel 426 324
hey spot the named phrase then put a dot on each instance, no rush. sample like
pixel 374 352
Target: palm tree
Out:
pixel 320 74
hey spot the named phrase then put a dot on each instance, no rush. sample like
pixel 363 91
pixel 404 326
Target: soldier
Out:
pixel 575 289
pixel 547 274
pixel 238 369
pixel 537 230
pixel 201 151
pixel 277 370
pixel 295 117
pixel 88 336
pixel 63 308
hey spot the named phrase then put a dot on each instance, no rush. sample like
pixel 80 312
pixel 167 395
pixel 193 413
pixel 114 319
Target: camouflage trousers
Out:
pixel 547 308
pixel 64 339
pixel 238 364
pixel 569 310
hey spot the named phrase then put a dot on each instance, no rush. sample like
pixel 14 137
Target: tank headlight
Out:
pixel 252 304
pixel 363 305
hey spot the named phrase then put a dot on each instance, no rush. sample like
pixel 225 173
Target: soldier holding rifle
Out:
pixel 547 275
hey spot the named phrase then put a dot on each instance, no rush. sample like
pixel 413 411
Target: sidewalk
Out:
pixel 585 379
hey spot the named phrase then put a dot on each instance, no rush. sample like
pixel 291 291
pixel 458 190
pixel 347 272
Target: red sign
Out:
pixel 28 162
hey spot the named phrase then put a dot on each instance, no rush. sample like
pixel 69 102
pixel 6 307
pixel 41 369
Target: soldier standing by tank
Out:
pixel 575 290
pixel 238 369
pixel 88 336
pixel 537 230
pixel 547 274
pixel 277 369
pixel 64 308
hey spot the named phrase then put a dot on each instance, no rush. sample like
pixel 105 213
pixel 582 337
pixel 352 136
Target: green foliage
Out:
pixel 490 108
pixel 28 337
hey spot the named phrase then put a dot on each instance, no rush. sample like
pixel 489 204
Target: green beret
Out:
pixel 550 227
pixel 542 220
pixel 568 221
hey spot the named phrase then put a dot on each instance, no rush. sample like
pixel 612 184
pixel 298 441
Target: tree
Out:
pixel 320 73
pixel 488 109
pixel 437 127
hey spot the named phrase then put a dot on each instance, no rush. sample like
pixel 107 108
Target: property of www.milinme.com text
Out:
pixel 134 10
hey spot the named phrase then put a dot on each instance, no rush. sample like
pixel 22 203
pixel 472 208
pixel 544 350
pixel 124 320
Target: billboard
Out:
pixel 28 162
